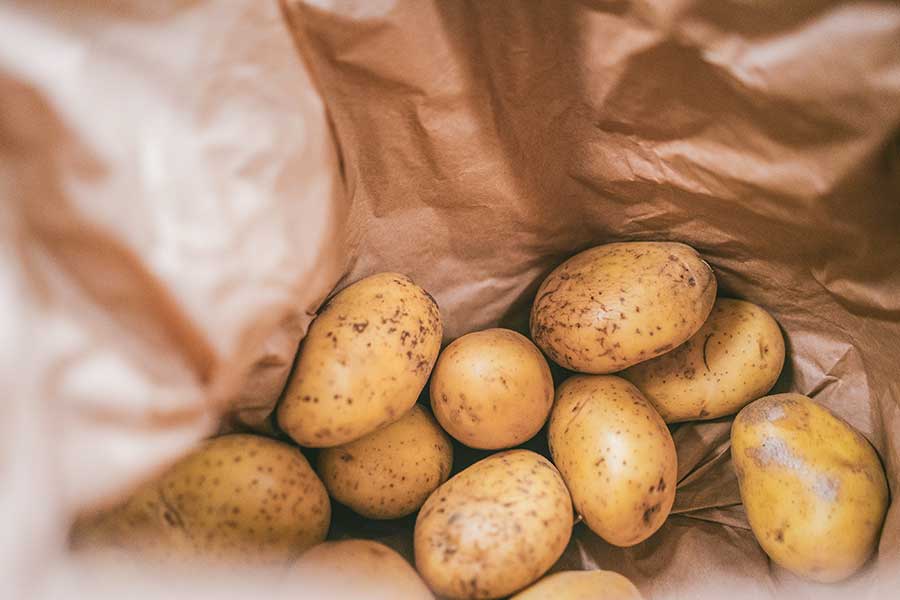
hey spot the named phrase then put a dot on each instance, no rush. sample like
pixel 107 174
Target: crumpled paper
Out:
pixel 190 179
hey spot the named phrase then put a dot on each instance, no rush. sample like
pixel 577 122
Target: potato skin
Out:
pixel 390 472
pixel 733 359
pixel 356 569
pixel 581 585
pixel 812 486
pixel 616 456
pixel 363 363
pixel 493 528
pixel 616 305
pixel 492 389
pixel 237 498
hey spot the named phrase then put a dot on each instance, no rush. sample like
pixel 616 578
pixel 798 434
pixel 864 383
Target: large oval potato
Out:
pixel 492 389
pixel 813 487
pixel 581 585
pixel 493 528
pixel 363 363
pixel 615 454
pixel 237 498
pixel 356 569
pixel 616 305
pixel 390 472
pixel 733 359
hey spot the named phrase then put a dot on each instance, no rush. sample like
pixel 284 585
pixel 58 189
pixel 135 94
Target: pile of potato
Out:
pixel 650 344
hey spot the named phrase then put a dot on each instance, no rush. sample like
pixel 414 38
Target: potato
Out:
pixel 493 528
pixel 734 358
pixel 492 389
pixel 389 473
pixel 616 305
pixel 615 454
pixel 356 569
pixel 813 488
pixel 581 585
pixel 363 363
pixel 240 498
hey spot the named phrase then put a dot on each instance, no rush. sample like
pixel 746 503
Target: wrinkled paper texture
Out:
pixel 187 181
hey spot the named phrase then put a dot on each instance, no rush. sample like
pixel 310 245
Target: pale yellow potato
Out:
pixel 389 473
pixel 615 454
pixel 491 389
pixel 493 528
pixel 616 305
pixel 356 569
pixel 581 585
pixel 733 359
pixel 813 487
pixel 363 363
pixel 237 498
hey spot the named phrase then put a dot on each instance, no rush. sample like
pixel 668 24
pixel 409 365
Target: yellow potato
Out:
pixel 616 455
pixel 493 528
pixel 616 305
pixel 363 363
pixel 237 498
pixel 733 359
pixel 492 389
pixel 581 585
pixel 813 487
pixel 389 473
pixel 356 569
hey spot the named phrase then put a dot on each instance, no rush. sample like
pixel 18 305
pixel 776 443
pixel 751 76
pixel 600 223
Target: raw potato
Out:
pixel 733 359
pixel 356 569
pixel 813 487
pixel 363 363
pixel 581 585
pixel 389 473
pixel 237 498
pixel 616 305
pixel 492 389
pixel 616 455
pixel 493 528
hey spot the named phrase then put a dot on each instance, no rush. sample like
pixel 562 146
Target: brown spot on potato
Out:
pixel 649 512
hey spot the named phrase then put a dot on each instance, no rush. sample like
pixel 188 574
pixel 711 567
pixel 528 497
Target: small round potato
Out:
pixel 363 363
pixel 237 498
pixel 581 585
pixel 356 569
pixel 492 389
pixel 615 454
pixel 733 359
pixel 616 305
pixel 813 487
pixel 389 473
pixel 493 528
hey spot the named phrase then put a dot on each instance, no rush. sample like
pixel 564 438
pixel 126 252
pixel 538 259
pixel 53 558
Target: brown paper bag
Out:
pixel 187 180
